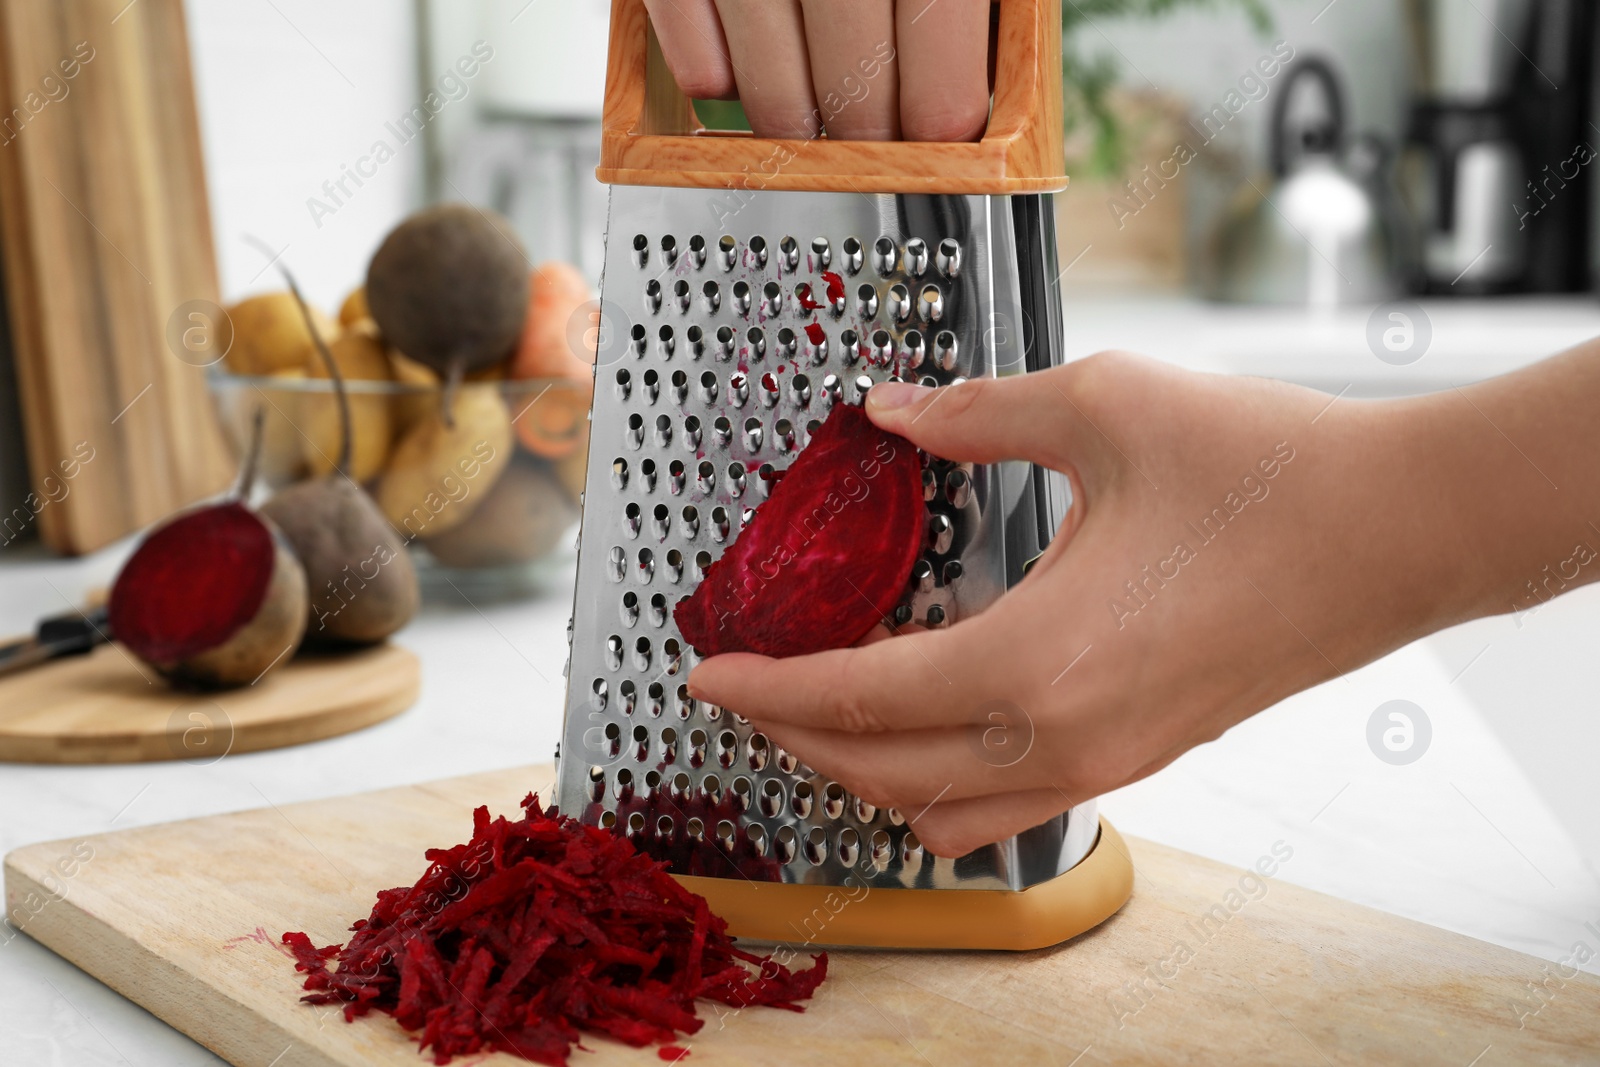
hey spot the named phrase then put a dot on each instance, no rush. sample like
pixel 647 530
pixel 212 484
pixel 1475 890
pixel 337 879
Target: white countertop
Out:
pixel 1461 838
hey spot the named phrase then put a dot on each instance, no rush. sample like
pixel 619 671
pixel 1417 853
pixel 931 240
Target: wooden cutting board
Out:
pixel 106 708
pixel 106 235
pixel 185 919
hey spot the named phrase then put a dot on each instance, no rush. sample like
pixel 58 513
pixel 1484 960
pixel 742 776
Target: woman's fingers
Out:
pixel 944 68
pixel 955 828
pixel 909 769
pixel 984 420
pixel 853 70
pixel 695 49
pixel 767 41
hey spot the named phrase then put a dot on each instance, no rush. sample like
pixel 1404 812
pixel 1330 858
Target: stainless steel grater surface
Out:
pixel 711 375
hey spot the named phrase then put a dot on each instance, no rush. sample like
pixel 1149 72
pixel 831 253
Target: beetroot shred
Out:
pixel 537 930
pixel 825 558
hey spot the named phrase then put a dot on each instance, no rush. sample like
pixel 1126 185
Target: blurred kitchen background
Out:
pixel 1365 196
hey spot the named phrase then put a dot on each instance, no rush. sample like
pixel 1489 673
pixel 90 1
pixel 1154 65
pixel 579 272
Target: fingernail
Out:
pixel 890 396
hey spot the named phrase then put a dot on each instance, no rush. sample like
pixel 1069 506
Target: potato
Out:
pixel 412 406
pixel 557 292
pixel 354 308
pixel 269 335
pixel 360 357
pixel 524 516
pixel 282 444
pixel 438 474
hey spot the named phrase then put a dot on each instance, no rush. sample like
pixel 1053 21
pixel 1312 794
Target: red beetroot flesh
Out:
pixel 534 932
pixel 193 583
pixel 825 558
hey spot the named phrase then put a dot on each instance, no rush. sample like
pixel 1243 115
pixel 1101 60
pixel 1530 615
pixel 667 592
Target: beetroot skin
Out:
pixel 825 558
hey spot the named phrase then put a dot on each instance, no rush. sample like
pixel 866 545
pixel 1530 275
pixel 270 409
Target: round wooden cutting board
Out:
pixel 106 707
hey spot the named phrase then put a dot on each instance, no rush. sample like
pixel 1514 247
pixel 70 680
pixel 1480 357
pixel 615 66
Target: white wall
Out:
pixel 291 91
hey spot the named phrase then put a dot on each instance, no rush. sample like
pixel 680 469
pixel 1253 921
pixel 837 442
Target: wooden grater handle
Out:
pixel 650 134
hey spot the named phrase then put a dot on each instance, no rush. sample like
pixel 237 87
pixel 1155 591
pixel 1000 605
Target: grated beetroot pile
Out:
pixel 534 931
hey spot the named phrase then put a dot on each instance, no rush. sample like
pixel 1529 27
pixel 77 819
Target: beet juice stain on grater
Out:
pixel 734 333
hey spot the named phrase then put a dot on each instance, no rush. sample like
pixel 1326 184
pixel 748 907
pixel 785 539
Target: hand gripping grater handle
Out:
pixel 651 136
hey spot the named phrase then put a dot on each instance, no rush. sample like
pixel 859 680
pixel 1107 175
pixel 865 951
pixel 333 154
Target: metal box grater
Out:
pixel 714 365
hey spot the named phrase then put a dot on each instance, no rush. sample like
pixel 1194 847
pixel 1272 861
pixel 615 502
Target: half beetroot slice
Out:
pixel 825 558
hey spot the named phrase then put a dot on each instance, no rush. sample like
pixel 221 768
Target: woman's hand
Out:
pixel 1232 541
pixel 866 70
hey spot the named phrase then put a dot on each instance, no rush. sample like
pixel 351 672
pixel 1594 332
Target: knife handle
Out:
pixel 650 134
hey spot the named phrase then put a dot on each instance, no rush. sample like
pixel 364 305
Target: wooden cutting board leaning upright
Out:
pixel 105 232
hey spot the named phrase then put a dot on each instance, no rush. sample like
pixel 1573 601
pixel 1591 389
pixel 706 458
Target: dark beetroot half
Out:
pixel 825 558
pixel 193 583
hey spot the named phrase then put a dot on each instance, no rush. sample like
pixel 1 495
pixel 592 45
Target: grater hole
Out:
pixel 821 253
pixel 647 473
pixel 758 251
pixel 616 563
pixel 771 802
pixel 608 820
pixel 635 430
pixel 910 849
pixel 686 703
pixel 674 566
pixel 719 524
pixel 624 384
pixel 865 810
pixel 756 338
pixel 725 834
pixel 706 476
pixel 816 846
pixel 811 429
pixel 652 296
pixel 630 608
pixel 641 249
pixel 636 824
pixel 766 477
pixel 656 696
pixel 922 576
pixel 708 388
pixel 597 694
pixel 948 258
pixel 710 297
pixel 882 849
pixel 914 350
pixel 680 384
pixel 752 434
pixel 597 783
pixel 722 430
pixel 936 617
pixel 849 846
pixel 619 473
pixel 784 844
pixel 660 522
pixel 898 304
pixel 691 521
pixel 735 480
pixel 802 799
pixel 664 826
pixel 884 255
pixel 783 436
pixel 641 743
pixel 665 343
pixel 697 251
pixel 652 386
pixel 691 431
pixel 930 304
pixel 669 248
pixel 646 569
pixel 789 249
pixel 916 257
pixel 758 750
pixel 833 798
pixel 727 252
pixel 628 693
pixel 675 477
pixel 702 563
pixel 697 341
pixel 658 609
pixel 641 654
pixel 613 652
pixel 852 251
pixel 680 294
pixel 640 337
pixel 800 390
pixel 663 431
pixel 958 488
pixel 698 741
pixel 741 298
pixel 613 738
pixel 630 520
pixel 671 655
pixel 711 788
pixel 724 343
pixel 787 343
pixel 679 787
pixel 952 573
pixel 695 829
pixel 772 299
pixel 727 748
pixel 867 301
